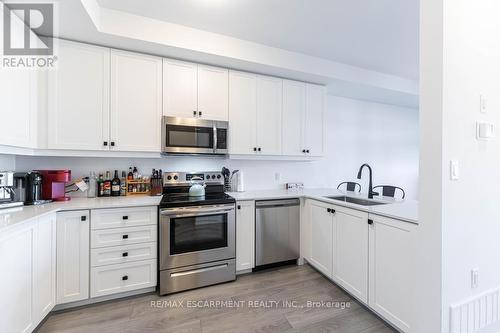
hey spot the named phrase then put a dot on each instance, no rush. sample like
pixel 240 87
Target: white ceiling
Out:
pixel 380 35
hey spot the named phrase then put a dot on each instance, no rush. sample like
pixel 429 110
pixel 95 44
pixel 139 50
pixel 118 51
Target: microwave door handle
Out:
pixel 215 138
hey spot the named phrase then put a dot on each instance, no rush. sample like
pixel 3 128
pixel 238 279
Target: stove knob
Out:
pixel 218 176
pixel 213 176
pixel 207 177
pixel 175 177
pixel 169 177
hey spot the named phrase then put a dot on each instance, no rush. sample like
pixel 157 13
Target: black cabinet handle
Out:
pixel 304 151
pixel 254 148
pixel 239 207
pixel 112 143
pixel 370 221
pixel 125 236
pixel 125 278
pixel 125 217
pixel 83 218
pixel 105 143
pixel 194 113
pixel 125 254
pixel 328 210
pixel 199 113
pixel 307 151
pixel 259 149
pixel 333 211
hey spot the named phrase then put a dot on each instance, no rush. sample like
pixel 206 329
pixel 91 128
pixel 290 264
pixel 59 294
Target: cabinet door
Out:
pixel 245 235
pixel 294 105
pixel 269 112
pixel 391 270
pixel 321 229
pixel 78 112
pixel 44 266
pixel 180 97
pixel 16 280
pixel 136 94
pixel 350 263
pixel 213 99
pixel 18 107
pixel 314 123
pixel 72 256
pixel 242 112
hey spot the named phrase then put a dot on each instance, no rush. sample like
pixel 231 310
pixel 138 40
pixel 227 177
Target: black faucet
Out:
pixel 370 183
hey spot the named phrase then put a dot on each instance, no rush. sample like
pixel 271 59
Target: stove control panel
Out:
pixel 183 178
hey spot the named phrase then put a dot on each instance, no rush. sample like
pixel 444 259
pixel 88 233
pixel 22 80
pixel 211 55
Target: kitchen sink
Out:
pixel 357 201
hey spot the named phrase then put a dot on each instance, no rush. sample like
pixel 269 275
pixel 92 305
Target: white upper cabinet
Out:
pixel 78 103
pixel 242 112
pixel 136 102
pixel 213 93
pixel 314 124
pixel 180 88
pixel 294 108
pixel 269 114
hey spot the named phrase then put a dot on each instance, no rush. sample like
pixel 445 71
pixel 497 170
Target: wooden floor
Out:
pixel 296 285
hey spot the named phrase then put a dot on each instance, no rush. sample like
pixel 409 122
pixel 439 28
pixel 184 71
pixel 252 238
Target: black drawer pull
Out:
pixel 239 207
pixel 328 210
pixel 125 236
pixel 125 217
pixel 83 218
pixel 125 254
pixel 370 221
pixel 124 278
pixel 105 143
pixel 333 211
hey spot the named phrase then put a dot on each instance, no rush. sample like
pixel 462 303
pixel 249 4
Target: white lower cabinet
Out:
pixel 123 245
pixel 112 279
pixel 27 285
pixel 350 259
pixel 73 254
pixel 391 270
pixel 321 237
pixel 245 235
pixel 370 256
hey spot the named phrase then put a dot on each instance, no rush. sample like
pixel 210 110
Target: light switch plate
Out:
pixel 454 170
pixel 485 130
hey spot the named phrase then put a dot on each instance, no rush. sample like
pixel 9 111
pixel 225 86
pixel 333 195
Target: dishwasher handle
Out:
pixel 276 203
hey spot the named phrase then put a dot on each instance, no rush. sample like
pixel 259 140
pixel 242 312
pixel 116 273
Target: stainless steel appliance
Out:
pixel 28 188
pixel 276 231
pixel 197 234
pixel 194 136
pixel 7 194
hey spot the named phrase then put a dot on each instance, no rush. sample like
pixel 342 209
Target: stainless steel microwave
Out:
pixel 194 136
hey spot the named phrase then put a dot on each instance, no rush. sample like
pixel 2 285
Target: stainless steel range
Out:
pixel 197 234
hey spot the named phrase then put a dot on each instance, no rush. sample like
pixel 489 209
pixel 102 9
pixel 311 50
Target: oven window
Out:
pixel 198 233
pixel 189 136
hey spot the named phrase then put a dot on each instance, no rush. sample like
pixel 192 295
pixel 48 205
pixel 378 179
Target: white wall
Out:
pixel 464 233
pixel 382 135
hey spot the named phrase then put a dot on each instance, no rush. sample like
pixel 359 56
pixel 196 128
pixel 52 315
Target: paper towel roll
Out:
pixel 241 186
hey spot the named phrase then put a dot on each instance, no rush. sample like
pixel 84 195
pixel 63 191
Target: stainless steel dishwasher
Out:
pixel 276 231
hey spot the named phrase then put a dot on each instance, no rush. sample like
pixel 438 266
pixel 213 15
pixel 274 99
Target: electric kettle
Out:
pixel 197 188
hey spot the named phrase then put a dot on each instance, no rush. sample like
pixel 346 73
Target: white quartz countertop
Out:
pixel 405 210
pixel 12 216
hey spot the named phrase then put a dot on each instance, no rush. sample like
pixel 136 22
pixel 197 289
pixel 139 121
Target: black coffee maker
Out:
pixel 29 188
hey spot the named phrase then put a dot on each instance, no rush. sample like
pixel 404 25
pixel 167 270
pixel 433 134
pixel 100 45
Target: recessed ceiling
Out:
pixel 380 35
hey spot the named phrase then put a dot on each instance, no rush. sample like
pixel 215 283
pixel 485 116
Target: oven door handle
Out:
pixel 195 212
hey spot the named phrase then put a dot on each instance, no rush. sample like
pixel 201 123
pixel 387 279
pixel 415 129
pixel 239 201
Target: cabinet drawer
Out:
pixel 123 217
pixel 112 279
pixel 123 236
pixel 122 254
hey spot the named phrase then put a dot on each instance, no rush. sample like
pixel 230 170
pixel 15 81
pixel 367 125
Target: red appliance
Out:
pixel 54 184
